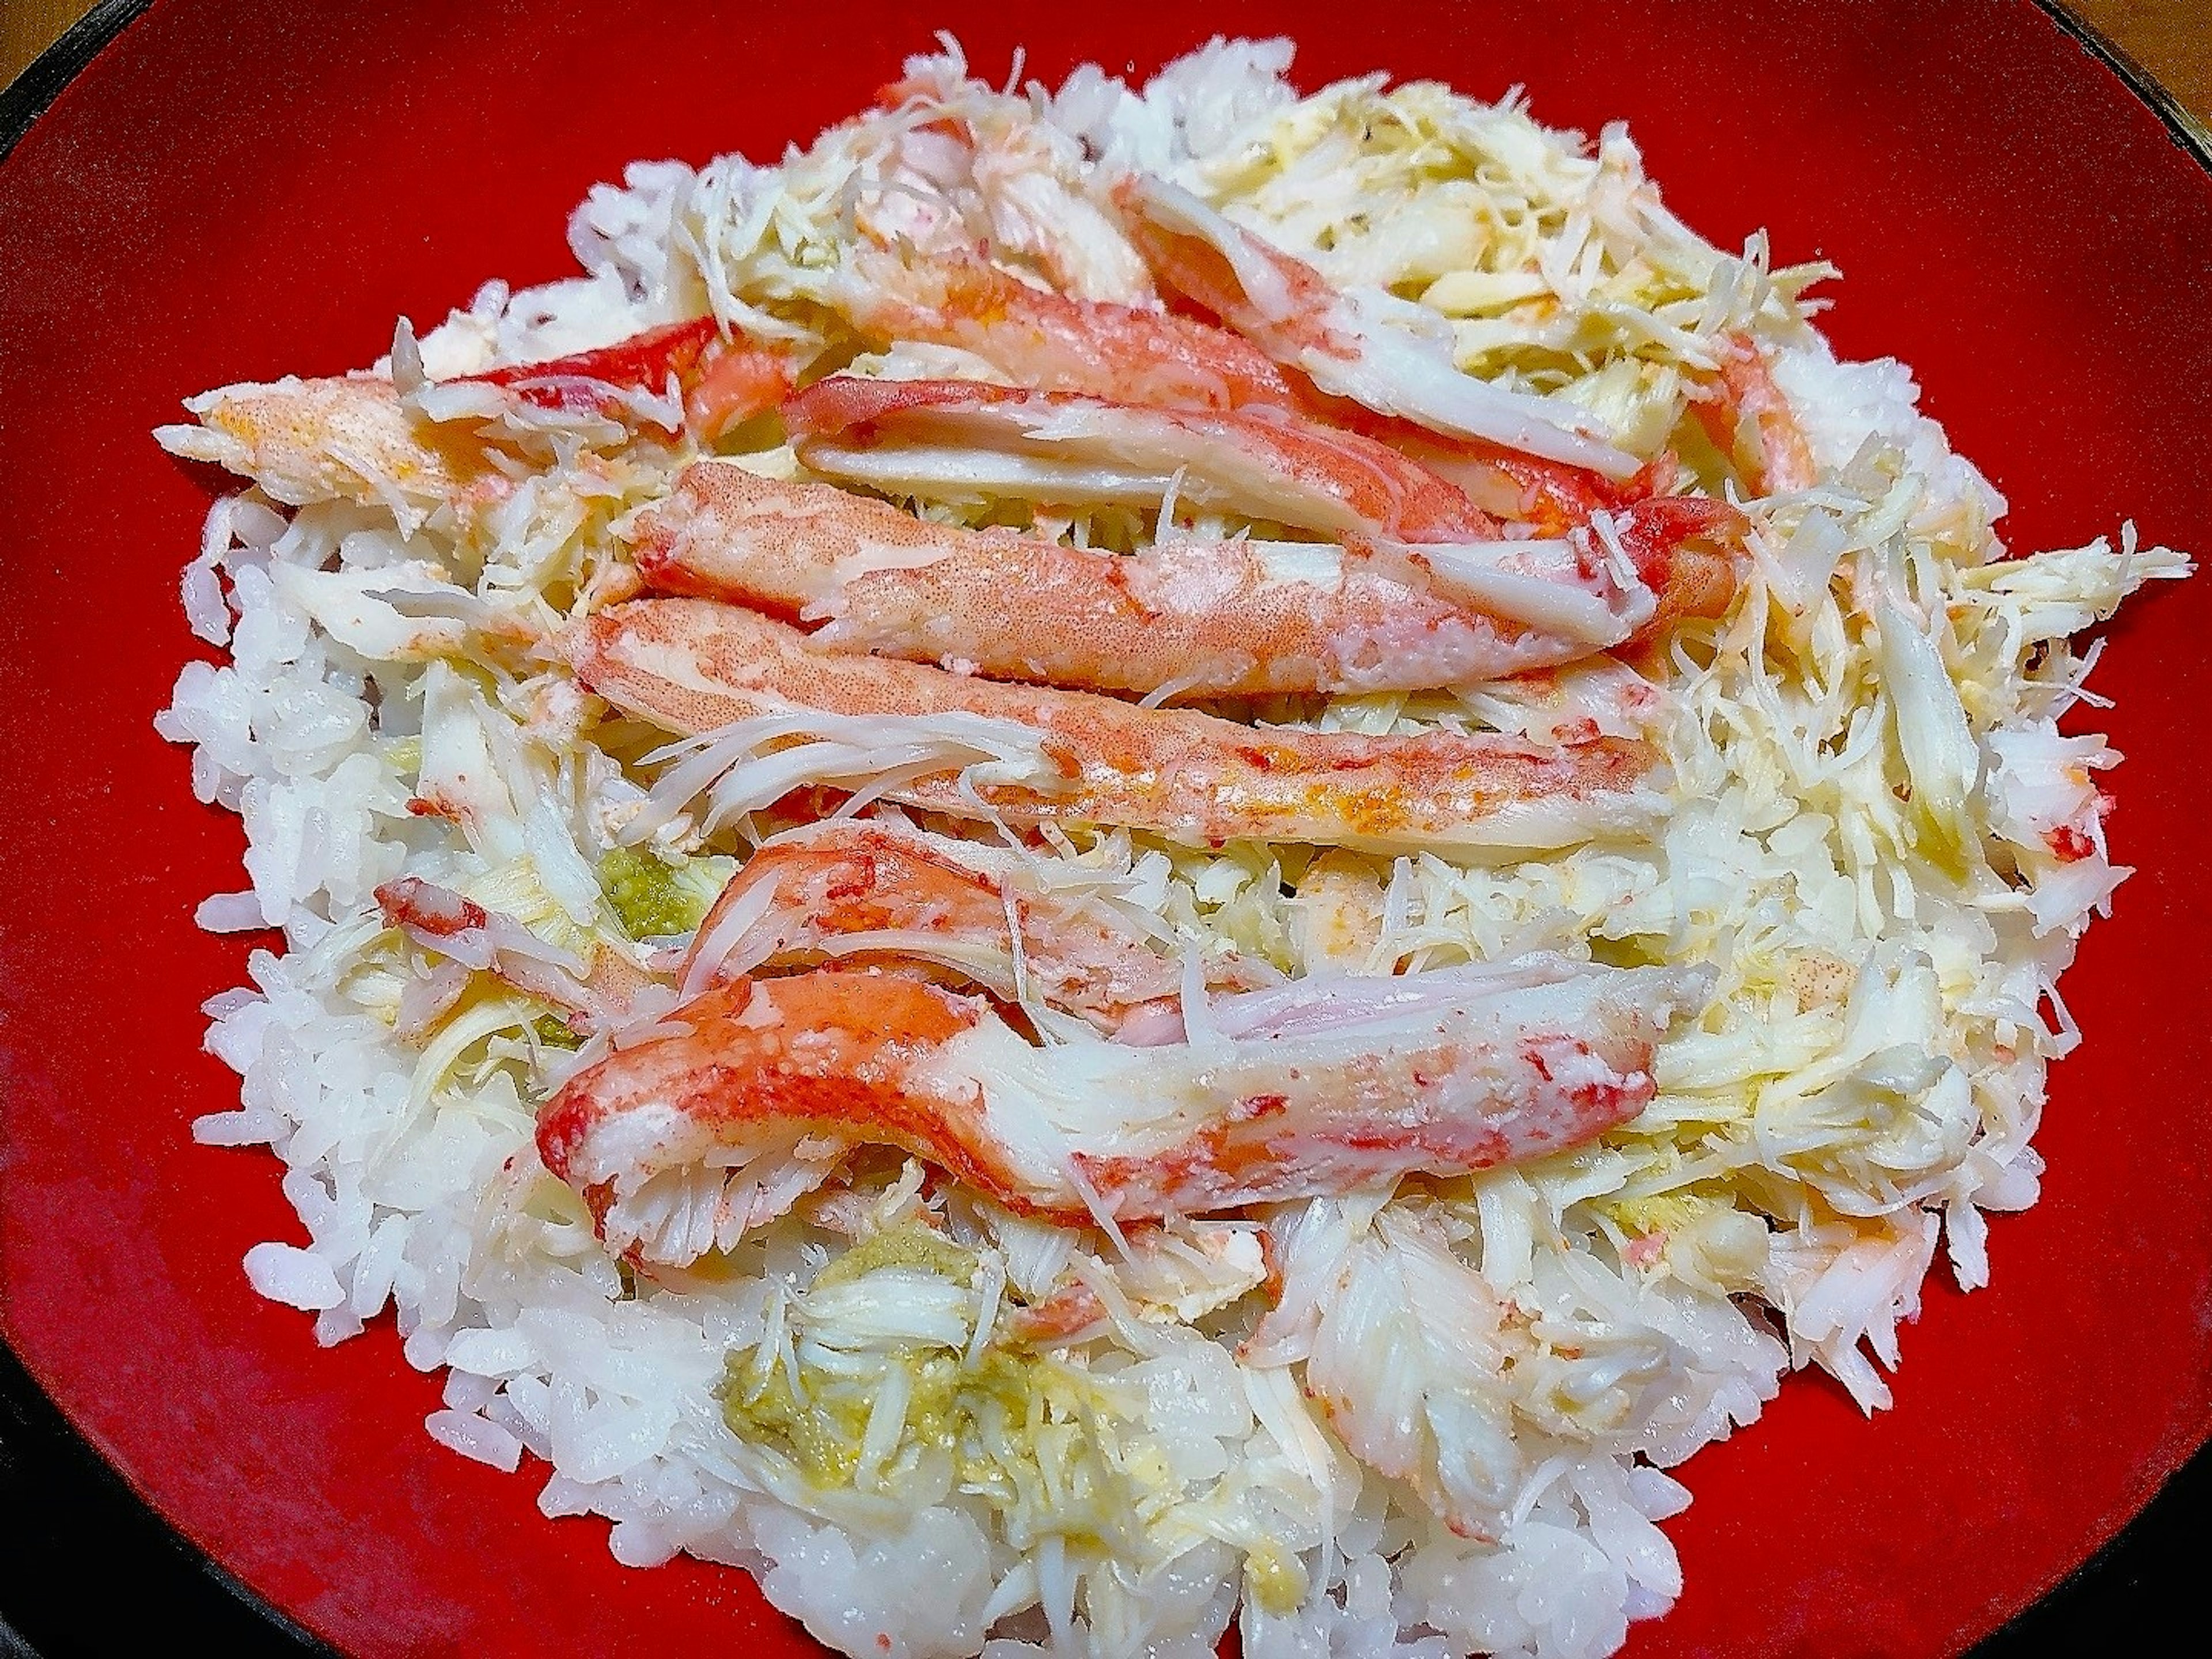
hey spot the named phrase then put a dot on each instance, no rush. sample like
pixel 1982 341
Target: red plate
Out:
pixel 240 188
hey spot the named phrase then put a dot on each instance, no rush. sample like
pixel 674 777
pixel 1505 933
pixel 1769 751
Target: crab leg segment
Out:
pixel 761 1088
pixel 695 667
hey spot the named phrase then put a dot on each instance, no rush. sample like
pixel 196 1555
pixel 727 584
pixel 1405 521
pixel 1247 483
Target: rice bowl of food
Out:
pixel 1139 853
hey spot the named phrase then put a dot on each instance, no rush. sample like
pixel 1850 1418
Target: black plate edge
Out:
pixel 93 1567
pixel 29 95
pixel 85 1508
pixel 2139 1582
pixel 2187 132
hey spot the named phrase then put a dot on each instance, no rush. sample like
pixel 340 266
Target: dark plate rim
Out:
pixel 58 1442
pixel 31 93
pixel 2189 134
pixel 47 1451
pixel 48 1446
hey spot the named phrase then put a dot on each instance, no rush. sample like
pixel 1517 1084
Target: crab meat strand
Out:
pixel 591 994
pixel 1351 345
pixel 1320 1087
pixel 1690 551
pixel 968 439
pixel 693 665
pixel 1055 341
pixel 1185 618
pixel 1550 497
pixel 1434 1413
pixel 724 380
pixel 346 439
pixel 1751 423
pixel 854 892
pixel 355 438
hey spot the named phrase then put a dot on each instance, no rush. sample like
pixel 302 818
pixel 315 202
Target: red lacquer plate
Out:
pixel 235 189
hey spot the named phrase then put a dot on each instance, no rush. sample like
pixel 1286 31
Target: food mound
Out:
pixel 1109 860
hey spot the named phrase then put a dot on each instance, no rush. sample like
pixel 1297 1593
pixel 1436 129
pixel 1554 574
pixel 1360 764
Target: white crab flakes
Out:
pixel 1425 1424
